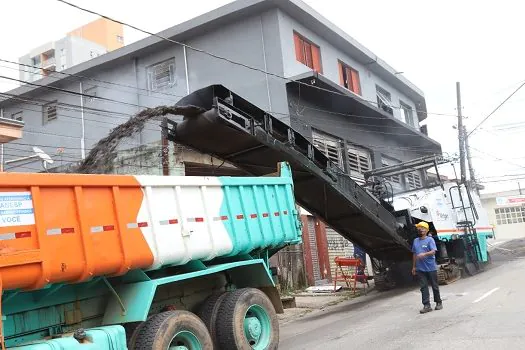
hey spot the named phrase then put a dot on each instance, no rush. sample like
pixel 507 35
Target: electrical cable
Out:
pixel 495 109
pixel 500 159
pixel 126 103
pixel 92 79
pixel 221 57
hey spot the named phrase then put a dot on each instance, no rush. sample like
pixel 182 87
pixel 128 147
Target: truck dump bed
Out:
pixel 240 133
pixel 60 228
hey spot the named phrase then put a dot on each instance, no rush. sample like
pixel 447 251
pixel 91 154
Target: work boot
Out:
pixel 439 306
pixel 425 309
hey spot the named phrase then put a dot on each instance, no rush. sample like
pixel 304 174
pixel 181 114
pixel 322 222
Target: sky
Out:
pixel 434 44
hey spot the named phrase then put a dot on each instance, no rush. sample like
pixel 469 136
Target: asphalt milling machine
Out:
pixel 370 216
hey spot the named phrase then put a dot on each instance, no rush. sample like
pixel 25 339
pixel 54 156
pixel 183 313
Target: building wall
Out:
pixel 329 60
pixel 252 42
pixel 516 212
pixel 81 50
pixel 103 32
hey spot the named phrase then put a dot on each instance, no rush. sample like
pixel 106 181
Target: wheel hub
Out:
pixel 257 327
pixel 252 327
pixel 185 340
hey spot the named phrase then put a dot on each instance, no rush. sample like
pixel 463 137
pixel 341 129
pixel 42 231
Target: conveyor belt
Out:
pixel 242 134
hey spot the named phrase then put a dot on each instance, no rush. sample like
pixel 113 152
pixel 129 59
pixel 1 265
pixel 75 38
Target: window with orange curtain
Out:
pixel 349 78
pixel 307 53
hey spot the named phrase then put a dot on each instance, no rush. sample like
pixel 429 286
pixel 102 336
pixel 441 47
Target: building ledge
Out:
pixel 10 130
pixel 347 102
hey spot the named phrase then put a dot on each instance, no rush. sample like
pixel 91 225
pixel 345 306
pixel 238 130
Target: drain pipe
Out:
pixel 186 70
pixel 82 138
pixel 265 66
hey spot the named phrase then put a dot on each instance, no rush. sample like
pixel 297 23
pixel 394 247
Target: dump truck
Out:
pixel 142 262
pixel 237 131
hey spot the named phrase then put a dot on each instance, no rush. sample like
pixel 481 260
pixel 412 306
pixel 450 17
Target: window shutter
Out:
pixel 299 55
pixel 171 70
pixel 341 74
pixel 330 148
pixel 356 87
pixel 316 59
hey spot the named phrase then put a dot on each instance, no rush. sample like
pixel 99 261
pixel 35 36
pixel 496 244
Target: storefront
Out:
pixel 506 212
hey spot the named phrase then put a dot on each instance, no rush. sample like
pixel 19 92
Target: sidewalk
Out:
pixel 318 302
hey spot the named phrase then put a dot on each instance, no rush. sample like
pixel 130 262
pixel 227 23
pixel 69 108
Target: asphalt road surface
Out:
pixel 482 312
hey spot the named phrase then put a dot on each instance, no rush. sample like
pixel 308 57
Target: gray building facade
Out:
pixel 321 81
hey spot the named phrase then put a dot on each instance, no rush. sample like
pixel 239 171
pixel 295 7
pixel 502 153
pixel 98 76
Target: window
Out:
pixel 330 146
pixel 307 53
pixel 395 179
pixel 510 215
pixel 413 180
pixel 90 94
pixel 18 116
pixel 406 113
pixel 162 75
pixel 36 60
pixel 49 112
pixel 349 78
pixel 384 100
pixel 358 160
pixel 120 39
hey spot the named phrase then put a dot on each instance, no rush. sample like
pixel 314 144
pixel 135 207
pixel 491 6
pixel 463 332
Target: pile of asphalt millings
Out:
pixel 100 159
pixel 509 250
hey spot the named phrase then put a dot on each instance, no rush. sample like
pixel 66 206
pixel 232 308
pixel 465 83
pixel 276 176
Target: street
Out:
pixel 481 312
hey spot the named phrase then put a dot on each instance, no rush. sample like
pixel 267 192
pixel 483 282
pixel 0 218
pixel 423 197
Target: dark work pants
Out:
pixel 426 278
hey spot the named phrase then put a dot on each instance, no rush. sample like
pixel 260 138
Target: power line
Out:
pixel 112 124
pixel 76 93
pixel 92 79
pixel 495 109
pixel 224 58
pixel 500 159
pixel 126 103
pixel 503 180
pixel 420 149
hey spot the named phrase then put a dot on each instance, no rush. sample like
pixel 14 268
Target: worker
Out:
pixel 424 266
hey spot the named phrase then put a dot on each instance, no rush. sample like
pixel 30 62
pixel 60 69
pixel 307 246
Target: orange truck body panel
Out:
pixel 62 244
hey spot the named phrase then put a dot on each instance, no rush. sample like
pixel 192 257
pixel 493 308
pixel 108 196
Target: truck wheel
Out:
pixel 132 329
pixel 208 312
pixel 247 320
pixel 173 330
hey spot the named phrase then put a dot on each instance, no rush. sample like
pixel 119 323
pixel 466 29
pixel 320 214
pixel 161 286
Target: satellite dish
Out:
pixel 46 159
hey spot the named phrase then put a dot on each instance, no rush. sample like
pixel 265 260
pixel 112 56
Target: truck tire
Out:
pixel 132 329
pixel 173 328
pixel 208 313
pixel 247 320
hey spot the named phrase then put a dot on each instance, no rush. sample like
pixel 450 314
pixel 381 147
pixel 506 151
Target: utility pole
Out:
pixel 469 161
pixel 461 136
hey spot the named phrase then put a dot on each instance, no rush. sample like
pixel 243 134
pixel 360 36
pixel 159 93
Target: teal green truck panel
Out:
pixel 102 338
pixel 482 239
pixel 270 201
pixel 125 308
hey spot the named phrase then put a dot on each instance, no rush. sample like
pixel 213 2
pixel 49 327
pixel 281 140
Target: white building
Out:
pixel 506 212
